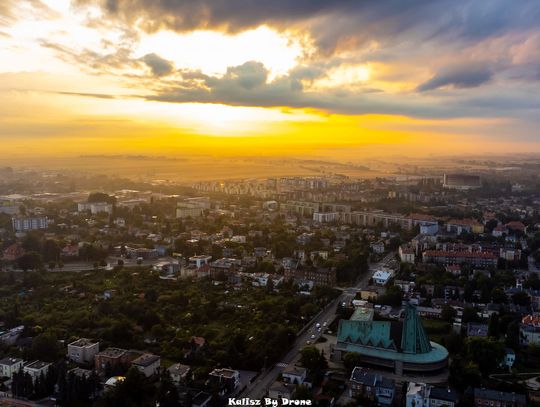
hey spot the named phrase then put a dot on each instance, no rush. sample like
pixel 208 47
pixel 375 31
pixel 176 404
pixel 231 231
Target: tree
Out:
pixel 30 261
pixel 312 360
pixel 498 296
pixel 351 360
pixel 101 197
pixel 46 347
pixel 301 393
pixel 469 315
pixel 167 394
pixel 521 298
pixel 31 242
pixel 487 353
pixel 448 313
pixel 493 326
pixel 51 250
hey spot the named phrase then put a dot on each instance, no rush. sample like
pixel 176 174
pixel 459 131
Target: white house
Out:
pixel 36 369
pixel 147 364
pixel 82 350
pixel 381 277
pixel 8 366
pixel 294 375
pixel 406 254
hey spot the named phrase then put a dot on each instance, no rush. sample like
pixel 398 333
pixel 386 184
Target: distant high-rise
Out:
pixel 462 181
pixel 29 223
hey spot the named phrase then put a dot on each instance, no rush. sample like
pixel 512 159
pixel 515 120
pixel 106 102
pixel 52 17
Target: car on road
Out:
pixel 313 337
pixel 324 323
pixel 317 325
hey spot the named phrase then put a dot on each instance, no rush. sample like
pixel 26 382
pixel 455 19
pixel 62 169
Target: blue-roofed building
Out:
pixel 399 345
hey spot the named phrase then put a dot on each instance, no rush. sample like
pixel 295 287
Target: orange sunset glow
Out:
pixel 104 77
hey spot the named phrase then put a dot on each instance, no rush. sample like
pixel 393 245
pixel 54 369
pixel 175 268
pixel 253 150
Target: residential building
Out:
pixel 279 390
pixel 37 369
pixel 294 374
pixel 13 252
pixel 406 254
pixel 199 261
pixel 325 217
pixel 376 387
pixel 227 379
pixel 425 395
pixel 476 329
pixel 21 224
pixel 461 181
pixel 82 351
pixel 95 207
pixel 509 358
pixel 10 365
pixel 381 277
pixel 147 364
pixel 495 398
pixel 188 210
pixel 476 259
pixel 377 247
pixel 111 359
pixel 179 372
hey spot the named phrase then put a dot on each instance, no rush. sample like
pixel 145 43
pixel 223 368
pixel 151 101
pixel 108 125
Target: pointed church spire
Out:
pixel 413 338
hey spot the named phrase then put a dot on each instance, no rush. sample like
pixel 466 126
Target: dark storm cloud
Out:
pixel 458 77
pixel 158 65
pixel 338 23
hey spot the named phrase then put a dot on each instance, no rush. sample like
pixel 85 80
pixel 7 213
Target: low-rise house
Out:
pixel 294 374
pixel 9 365
pixel 377 247
pixel 82 350
pixel 147 364
pixel 111 359
pixel 226 379
pixel 365 384
pixel 196 345
pixel 381 277
pixel 495 398
pixel 476 329
pixel 279 390
pixel 13 252
pixel 179 372
pixel 36 369
pixel 509 358
pixel 407 254
pixel 425 395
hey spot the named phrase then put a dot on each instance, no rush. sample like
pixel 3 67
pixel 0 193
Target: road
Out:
pixel 258 389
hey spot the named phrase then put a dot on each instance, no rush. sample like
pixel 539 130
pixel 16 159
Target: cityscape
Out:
pixel 296 203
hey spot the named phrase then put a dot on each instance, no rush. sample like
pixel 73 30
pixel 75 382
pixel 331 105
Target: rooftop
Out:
pixel 488 394
pixel 82 342
pixel 146 360
pixel 38 364
pixel 112 352
pixel 10 361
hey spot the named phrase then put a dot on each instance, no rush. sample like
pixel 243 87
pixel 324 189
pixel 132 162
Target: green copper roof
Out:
pixel 362 314
pixel 437 353
pixel 413 338
pixel 366 333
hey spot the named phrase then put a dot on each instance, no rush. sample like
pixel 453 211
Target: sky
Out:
pixel 281 77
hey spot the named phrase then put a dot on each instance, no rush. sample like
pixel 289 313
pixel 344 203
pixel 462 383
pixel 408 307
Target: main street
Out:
pixel 259 387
